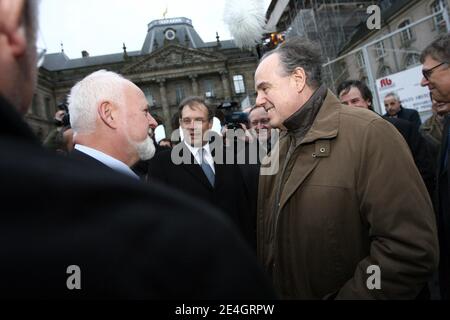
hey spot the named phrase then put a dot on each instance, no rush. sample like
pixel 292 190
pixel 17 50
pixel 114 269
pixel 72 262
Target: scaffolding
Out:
pixel 331 23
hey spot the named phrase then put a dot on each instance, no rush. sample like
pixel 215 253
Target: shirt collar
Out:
pixel 195 150
pixel 107 160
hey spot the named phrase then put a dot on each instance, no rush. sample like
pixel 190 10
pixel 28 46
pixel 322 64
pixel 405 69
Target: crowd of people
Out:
pixel 349 191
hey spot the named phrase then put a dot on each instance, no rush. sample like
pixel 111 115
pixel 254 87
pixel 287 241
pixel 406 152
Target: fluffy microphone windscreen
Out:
pixel 245 20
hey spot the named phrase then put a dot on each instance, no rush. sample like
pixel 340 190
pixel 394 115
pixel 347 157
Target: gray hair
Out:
pixel 297 52
pixel 439 50
pixel 392 94
pixel 88 93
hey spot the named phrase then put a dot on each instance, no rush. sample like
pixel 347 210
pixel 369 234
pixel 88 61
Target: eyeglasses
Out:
pixel 188 121
pixel 427 73
pixel 262 121
pixel 40 57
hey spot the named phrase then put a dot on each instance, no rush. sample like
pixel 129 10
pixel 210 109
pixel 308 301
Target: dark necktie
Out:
pixel 209 173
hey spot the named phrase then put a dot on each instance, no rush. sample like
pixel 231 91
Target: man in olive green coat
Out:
pixel 346 215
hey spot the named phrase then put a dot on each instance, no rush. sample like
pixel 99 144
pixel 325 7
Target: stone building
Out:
pixel 407 27
pixel 350 50
pixel 402 50
pixel 328 22
pixel 174 63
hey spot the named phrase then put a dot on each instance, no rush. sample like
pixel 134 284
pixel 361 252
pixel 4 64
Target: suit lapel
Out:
pixel 194 168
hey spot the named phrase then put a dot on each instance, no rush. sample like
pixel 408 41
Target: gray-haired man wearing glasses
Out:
pixel 436 76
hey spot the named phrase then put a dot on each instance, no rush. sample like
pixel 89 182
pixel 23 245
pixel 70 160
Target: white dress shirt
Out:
pixel 207 153
pixel 107 160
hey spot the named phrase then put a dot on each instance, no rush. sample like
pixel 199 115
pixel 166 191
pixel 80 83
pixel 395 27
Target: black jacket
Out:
pixel 228 195
pixel 410 115
pixel 130 240
pixel 420 150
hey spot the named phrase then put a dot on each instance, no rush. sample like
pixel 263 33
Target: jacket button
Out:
pixel 322 150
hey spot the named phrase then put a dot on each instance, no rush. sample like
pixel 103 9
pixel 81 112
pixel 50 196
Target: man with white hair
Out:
pixel 102 235
pixel 394 109
pixel 111 119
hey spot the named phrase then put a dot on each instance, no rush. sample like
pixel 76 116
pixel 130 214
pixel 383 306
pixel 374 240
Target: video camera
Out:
pixel 234 120
pixel 233 117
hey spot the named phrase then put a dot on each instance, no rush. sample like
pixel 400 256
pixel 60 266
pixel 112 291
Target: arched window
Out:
pixel 413 59
pixel 406 35
pixel 384 71
pixel 380 50
pixel 439 22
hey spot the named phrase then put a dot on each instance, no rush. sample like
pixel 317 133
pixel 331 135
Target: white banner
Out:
pixel 407 85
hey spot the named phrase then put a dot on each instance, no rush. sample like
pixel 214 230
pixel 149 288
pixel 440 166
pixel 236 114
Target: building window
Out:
pixel 384 72
pixel 149 96
pixel 439 22
pixel 380 50
pixel 179 93
pixel 360 59
pixel 406 35
pixel 48 108
pixel 413 59
pixel 239 86
pixel 209 89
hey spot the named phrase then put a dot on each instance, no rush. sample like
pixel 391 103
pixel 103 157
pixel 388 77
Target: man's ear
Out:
pixel 12 26
pixel 107 114
pixel 299 76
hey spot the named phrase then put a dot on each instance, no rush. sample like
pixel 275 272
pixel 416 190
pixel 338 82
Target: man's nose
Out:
pixel 260 100
pixel 152 122
pixel 424 82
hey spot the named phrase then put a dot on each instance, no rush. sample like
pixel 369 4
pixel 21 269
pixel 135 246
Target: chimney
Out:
pixel 85 54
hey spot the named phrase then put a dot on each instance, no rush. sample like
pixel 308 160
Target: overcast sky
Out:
pixel 102 26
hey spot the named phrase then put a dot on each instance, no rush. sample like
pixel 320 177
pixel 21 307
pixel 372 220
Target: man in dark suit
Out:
pixel 420 150
pixel 199 168
pixel 111 120
pixel 394 109
pixel 69 229
pixel 355 93
pixel 436 76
